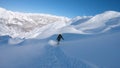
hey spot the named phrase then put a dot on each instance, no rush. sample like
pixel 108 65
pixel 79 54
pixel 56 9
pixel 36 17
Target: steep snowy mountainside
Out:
pixel 100 23
pixel 33 25
pixel 18 24
pixel 24 40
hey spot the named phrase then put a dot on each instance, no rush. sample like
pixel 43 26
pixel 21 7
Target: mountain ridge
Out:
pixel 40 26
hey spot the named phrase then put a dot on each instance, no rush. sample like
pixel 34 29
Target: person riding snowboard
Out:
pixel 59 38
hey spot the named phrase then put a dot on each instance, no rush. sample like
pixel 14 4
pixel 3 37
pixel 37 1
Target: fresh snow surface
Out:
pixel 34 53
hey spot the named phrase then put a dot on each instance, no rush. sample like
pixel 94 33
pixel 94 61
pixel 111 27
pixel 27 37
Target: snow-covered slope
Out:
pixel 77 53
pixel 32 25
pixel 27 25
pixel 101 22
pixel 37 54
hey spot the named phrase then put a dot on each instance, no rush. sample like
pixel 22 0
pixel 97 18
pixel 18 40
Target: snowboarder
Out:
pixel 59 38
